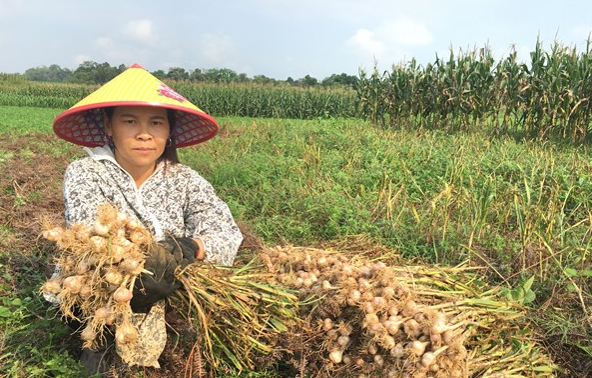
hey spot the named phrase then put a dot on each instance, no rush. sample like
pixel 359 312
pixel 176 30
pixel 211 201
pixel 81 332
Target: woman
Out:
pixel 133 124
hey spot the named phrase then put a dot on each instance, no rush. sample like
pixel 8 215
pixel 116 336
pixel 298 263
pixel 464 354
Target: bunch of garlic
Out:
pixel 96 271
pixel 372 322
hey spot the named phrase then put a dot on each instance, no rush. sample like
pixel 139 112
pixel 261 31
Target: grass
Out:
pixel 18 120
pixel 24 322
pixel 424 195
pixel 520 209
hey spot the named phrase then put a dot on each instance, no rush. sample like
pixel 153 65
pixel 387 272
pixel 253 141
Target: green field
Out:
pixel 518 209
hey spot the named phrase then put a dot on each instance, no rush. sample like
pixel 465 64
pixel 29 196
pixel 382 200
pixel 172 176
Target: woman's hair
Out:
pixel 169 154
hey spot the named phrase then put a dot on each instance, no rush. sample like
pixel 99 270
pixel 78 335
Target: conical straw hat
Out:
pixel 82 124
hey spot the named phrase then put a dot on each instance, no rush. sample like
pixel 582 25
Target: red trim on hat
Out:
pixel 58 120
pixel 132 103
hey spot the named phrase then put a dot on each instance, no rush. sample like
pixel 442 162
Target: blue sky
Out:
pixel 281 38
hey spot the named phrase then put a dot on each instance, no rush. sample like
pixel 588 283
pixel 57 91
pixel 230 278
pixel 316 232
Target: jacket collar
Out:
pixel 101 153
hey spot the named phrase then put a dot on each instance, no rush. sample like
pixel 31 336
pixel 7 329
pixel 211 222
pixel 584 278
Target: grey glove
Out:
pixel 183 249
pixel 162 261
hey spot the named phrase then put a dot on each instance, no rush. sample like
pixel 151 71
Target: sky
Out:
pixel 279 38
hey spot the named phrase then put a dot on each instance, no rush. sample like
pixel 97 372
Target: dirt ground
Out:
pixel 31 191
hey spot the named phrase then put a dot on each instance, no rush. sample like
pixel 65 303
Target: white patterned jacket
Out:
pixel 174 201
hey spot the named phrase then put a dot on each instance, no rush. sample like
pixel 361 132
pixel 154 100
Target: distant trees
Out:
pixel 53 73
pixel 87 72
pixel 95 73
pixel 90 72
pixel 308 81
pixel 177 73
pixel 219 75
pixel 341 79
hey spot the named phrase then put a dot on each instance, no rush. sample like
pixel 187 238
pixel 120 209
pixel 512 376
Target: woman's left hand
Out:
pixel 184 249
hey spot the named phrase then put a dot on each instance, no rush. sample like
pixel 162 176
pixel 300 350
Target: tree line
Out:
pixel 90 72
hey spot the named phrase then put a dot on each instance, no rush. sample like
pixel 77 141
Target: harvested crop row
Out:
pixel 337 315
pixel 369 319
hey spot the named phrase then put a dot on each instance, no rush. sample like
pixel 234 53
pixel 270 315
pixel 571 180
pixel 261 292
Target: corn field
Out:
pixel 15 92
pixel 550 95
pixel 242 100
pixel 265 101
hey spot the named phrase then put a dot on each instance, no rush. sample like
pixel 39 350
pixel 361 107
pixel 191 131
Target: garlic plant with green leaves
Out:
pixel 371 319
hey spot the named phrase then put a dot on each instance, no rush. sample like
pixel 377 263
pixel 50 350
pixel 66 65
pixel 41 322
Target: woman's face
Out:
pixel 140 134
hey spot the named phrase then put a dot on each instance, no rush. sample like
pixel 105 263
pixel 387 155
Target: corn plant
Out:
pixel 547 96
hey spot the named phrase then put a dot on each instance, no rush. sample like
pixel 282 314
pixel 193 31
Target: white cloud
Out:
pixel 139 29
pixel 216 48
pixel 391 36
pixel 405 31
pixel 391 40
pixel 107 49
pixel 366 42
